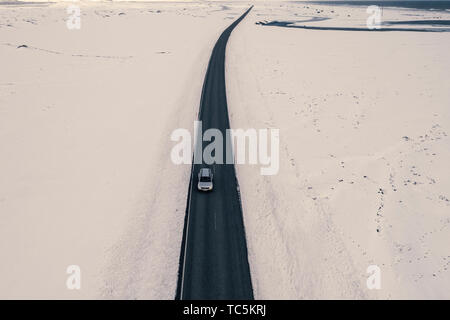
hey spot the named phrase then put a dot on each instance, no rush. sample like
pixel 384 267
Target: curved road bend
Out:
pixel 213 259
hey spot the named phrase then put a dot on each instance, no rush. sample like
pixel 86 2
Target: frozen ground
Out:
pixel 363 179
pixel 85 121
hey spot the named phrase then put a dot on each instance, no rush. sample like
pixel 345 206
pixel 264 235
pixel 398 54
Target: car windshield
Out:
pixel 205 179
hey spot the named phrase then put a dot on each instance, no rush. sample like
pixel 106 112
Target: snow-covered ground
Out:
pixel 85 123
pixel 364 120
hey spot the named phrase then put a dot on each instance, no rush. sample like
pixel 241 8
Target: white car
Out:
pixel 205 179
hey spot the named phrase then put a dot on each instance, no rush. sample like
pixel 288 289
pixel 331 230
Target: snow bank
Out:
pixel 364 150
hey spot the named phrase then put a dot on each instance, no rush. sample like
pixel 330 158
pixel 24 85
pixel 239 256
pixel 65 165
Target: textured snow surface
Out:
pixel 85 123
pixel 364 120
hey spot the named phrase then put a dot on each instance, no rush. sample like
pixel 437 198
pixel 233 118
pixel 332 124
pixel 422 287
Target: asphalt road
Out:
pixel 213 259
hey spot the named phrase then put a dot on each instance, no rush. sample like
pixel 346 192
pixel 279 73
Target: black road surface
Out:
pixel 213 259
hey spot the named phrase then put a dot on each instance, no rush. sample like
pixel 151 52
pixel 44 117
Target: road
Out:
pixel 213 259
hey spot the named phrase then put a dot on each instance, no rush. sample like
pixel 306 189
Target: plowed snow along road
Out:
pixel 213 260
